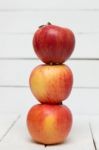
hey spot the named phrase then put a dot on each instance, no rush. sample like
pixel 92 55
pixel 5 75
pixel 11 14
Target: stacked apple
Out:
pixel 51 83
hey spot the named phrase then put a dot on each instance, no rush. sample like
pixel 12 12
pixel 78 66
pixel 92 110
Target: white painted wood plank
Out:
pixel 27 22
pixel 17 45
pixel 56 4
pixel 20 46
pixel 95 130
pixel 15 100
pixel 18 100
pixel 25 146
pixel 83 101
pixel 17 72
pixel 79 138
pixel 7 120
pixel 18 138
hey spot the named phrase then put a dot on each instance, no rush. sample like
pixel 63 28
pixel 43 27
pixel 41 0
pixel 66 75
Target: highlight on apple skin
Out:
pixel 49 124
pixel 51 83
pixel 53 44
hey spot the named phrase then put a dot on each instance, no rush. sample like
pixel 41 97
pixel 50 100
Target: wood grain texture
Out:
pixel 19 19
pixel 94 124
pixel 7 121
pixel 17 72
pixel 16 100
pixel 19 100
pixel 20 46
pixel 18 138
pixel 56 4
pixel 27 22
pixel 79 139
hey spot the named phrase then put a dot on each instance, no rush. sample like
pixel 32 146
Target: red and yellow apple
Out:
pixel 53 44
pixel 49 124
pixel 51 83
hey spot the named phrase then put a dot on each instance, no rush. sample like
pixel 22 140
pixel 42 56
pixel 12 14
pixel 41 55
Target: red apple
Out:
pixel 53 44
pixel 51 83
pixel 49 124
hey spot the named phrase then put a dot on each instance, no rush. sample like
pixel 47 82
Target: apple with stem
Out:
pixel 53 44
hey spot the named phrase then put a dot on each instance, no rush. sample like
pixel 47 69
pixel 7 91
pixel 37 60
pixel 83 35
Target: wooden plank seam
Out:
pixel 10 127
pixel 94 143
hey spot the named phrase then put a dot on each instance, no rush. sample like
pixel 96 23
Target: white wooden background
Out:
pixel 18 21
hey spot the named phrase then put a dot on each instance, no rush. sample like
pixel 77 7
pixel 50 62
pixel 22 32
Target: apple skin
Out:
pixel 49 124
pixel 53 44
pixel 51 84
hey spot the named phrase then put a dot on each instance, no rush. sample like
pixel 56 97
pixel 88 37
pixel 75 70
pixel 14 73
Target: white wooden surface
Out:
pixel 7 121
pixel 56 4
pixel 17 72
pixel 79 138
pixel 20 46
pixel 95 130
pixel 18 138
pixel 18 21
pixel 27 21
pixel 82 101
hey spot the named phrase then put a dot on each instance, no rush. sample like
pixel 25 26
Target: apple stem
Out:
pixel 44 25
pixel 49 23
pixel 41 26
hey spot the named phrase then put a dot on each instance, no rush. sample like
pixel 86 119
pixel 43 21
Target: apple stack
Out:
pixel 50 121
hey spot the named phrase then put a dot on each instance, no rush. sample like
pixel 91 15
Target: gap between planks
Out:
pixel 57 146
pixel 34 58
pixel 56 9
pixel 26 86
pixel 31 33
pixel 94 143
pixel 10 127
